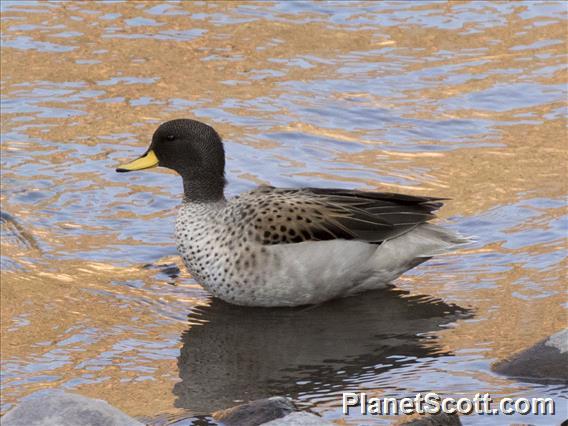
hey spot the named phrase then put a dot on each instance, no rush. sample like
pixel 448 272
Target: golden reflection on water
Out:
pixel 463 100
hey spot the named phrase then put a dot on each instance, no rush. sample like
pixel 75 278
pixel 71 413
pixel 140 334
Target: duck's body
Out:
pixel 276 247
pixel 288 247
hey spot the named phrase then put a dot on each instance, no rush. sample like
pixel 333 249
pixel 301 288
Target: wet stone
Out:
pixel 547 361
pixel 441 419
pixel 58 408
pixel 256 412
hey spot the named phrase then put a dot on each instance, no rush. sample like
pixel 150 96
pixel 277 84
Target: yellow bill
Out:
pixel 147 161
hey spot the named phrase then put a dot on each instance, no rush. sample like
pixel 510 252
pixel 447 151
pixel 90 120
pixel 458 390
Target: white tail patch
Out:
pixel 431 240
pixel 396 256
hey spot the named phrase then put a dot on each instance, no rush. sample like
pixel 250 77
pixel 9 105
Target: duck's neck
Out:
pixel 204 189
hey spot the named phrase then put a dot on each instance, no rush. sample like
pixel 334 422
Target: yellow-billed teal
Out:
pixel 287 247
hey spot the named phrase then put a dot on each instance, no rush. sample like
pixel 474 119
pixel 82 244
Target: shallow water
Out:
pixel 464 100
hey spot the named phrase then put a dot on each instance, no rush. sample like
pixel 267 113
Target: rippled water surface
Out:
pixel 463 100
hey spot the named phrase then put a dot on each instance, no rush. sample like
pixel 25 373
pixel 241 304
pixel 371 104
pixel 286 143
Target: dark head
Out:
pixel 194 150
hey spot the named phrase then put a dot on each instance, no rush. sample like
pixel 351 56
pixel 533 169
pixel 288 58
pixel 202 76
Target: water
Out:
pixel 464 100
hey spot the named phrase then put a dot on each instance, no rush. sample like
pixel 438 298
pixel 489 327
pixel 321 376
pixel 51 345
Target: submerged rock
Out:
pixel 299 418
pixel 15 232
pixel 546 361
pixel 58 408
pixel 256 412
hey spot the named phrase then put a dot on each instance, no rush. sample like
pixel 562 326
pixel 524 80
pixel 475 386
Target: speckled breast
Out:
pixel 216 251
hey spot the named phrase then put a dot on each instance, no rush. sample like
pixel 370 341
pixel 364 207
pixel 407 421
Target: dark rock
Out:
pixel 256 412
pixel 546 361
pixel 58 408
pixel 169 269
pixel 441 419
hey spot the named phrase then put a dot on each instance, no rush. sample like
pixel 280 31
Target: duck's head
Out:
pixel 191 148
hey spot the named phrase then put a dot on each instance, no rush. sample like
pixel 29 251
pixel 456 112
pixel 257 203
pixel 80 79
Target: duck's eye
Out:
pixel 170 137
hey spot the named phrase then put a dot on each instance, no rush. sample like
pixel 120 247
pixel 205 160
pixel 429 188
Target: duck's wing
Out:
pixel 280 216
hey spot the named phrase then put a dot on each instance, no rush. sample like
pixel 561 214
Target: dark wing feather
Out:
pixel 278 216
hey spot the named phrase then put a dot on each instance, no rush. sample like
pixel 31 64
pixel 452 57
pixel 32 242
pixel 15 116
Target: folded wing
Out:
pixel 285 216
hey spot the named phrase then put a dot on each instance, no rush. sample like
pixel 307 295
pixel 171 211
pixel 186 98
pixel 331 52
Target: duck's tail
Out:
pixel 430 240
pixel 394 257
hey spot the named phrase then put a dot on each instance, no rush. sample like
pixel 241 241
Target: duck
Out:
pixel 287 247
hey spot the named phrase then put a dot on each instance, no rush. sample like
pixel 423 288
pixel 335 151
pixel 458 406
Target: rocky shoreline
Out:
pixel 546 361
pixel 58 408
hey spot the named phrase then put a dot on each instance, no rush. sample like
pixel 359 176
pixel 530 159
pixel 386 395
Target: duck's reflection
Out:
pixel 231 353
